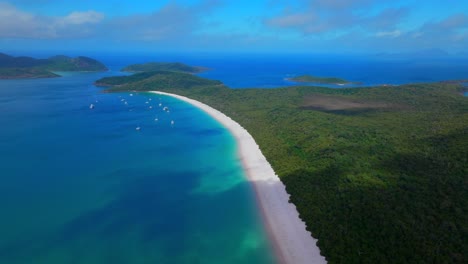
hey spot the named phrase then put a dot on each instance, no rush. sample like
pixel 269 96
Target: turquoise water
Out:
pixel 81 185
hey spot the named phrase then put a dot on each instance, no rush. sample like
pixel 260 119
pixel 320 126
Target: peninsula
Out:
pixel 28 67
pixel 164 66
pixel 319 80
pixel 375 173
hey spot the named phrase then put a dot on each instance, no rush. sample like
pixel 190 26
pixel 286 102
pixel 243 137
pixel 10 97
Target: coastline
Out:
pixel 293 244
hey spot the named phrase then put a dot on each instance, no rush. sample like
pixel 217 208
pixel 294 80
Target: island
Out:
pixel 378 174
pixel 164 66
pixel 319 80
pixel 26 73
pixel 28 67
pixel 152 80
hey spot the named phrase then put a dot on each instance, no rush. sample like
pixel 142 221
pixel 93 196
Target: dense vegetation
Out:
pixel 155 80
pixel 378 174
pixel 80 63
pixel 27 67
pixel 17 73
pixel 315 79
pixel 163 66
pixel 7 61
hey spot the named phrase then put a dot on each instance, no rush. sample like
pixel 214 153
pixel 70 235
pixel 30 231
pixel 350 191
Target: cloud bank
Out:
pixel 300 25
pixel 15 23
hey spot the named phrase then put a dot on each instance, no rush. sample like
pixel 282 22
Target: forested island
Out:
pixel 378 174
pixel 146 81
pixel 164 66
pixel 28 67
pixel 320 80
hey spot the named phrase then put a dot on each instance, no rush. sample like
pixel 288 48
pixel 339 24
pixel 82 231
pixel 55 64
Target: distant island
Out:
pixel 164 66
pixel 29 68
pixel 145 81
pixel 26 73
pixel 375 173
pixel 321 80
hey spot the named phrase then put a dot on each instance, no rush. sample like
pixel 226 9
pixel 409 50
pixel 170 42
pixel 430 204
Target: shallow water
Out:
pixel 81 185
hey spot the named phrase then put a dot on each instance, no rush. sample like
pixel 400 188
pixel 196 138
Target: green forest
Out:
pixel 146 81
pixel 315 79
pixel 378 174
pixel 15 73
pixel 27 67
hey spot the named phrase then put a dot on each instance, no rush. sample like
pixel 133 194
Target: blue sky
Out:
pixel 309 26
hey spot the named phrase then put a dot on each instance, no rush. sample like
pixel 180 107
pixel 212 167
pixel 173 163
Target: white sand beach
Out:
pixel 293 243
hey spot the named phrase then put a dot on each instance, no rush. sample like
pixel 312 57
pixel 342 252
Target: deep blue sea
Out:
pixel 81 185
pixel 271 71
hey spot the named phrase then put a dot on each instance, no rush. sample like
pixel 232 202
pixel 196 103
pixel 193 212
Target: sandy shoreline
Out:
pixel 293 243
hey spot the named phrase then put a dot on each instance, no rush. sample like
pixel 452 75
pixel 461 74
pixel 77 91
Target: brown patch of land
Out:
pixel 454 81
pixel 330 103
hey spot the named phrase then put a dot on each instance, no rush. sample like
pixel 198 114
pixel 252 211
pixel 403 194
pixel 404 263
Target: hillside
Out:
pixel 81 63
pixel 156 80
pixel 7 61
pixel 25 73
pixel 378 174
pixel 28 67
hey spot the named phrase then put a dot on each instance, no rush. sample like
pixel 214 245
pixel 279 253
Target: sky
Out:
pixel 288 26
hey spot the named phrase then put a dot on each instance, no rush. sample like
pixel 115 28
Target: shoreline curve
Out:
pixel 293 244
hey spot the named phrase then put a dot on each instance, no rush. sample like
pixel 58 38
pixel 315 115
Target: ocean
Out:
pixel 81 185
pixel 271 71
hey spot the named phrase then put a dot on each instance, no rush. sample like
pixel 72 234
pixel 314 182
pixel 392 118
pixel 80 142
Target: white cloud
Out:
pixel 341 4
pixel 15 23
pixel 335 17
pixel 173 21
pixel 291 20
pixel 449 24
pixel 388 34
pixel 417 35
pixel 78 18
